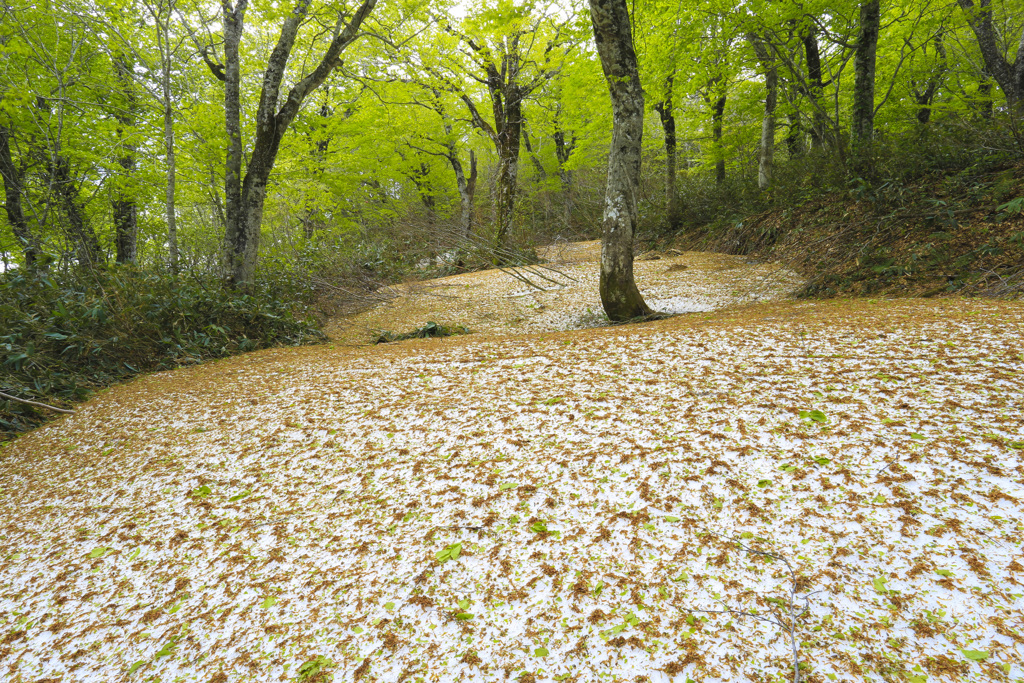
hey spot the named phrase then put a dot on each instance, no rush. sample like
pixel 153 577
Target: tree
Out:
pixel 863 125
pixel 1009 75
pixel 766 154
pixel 612 33
pixel 511 58
pixel 245 196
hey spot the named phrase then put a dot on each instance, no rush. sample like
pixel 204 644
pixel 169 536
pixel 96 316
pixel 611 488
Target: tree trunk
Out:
pixel 863 124
pixel 170 148
pixel 619 294
pixel 88 249
pixel 123 206
pixel 563 150
pixel 1009 76
pixel 666 112
pixel 542 174
pixel 926 97
pixel 467 188
pixel 508 166
pixel 718 115
pixel 766 157
pixel 815 88
pixel 246 197
pixel 12 195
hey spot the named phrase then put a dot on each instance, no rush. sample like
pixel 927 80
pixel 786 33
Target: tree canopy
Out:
pixel 183 135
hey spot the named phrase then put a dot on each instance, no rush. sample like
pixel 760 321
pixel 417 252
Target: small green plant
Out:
pixel 431 329
pixel 315 670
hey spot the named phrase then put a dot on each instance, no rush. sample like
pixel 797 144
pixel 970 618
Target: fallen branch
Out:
pixel 35 403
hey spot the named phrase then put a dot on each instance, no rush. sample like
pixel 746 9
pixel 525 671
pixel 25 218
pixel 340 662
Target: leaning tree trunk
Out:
pixel 619 294
pixel 89 251
pixel 863 124
pixel 1009 75
pixel 673 214
pixel 12 194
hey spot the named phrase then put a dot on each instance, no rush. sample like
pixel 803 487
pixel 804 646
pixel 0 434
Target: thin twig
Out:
pixel 36 403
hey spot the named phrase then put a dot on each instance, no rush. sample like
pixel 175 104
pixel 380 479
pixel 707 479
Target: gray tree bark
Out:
pixel 123 207
pixel 612 34
pixel 12 176
pixel 717 117
pixel 863 123
pixel 245 197
pixel 563 150
pixel 666 112
pixel 766 156
pixel 1009 75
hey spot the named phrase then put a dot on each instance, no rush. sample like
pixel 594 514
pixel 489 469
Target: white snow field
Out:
pixel 713 497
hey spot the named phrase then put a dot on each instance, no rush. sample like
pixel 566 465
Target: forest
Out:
pixel 184 180
pixel 512 340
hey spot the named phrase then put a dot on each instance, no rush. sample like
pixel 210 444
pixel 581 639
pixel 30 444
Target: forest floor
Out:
pixel 711 497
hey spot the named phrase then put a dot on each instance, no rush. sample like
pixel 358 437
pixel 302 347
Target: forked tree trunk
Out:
pixel 1009 75
pixel 246 197
pixel 619 294
pixel 863 124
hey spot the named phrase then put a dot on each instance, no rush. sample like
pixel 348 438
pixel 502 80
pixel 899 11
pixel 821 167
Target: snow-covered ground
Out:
pixel 562 293
pixel 704 498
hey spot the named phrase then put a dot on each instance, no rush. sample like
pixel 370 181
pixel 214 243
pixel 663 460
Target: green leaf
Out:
pixel 976 655
pixel 357 629
pixel 670 518
pixel 240 496
pixel 168 649
pixel 507 485
pixel 269 601
pixel 764 483
pixel 822 461
pixel 463 604
pixel 389 606
pixel 539 527
pixel 98 552
pixel 136 666
pixel 943 572
pixel 201 491
pixel 649 527
pixel 787 468
pixel 813 415
pixel 464 616
pixel 134 554
pixel 452 552
pixel 918 437
pixel 540 652
pixel 915 678
pixel 1019 445
pixel 747 534
pixel 553 400
pixel 878 499
pixel 879 583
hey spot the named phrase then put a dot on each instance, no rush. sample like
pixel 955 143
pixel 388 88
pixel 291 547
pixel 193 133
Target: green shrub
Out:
pixel 63 336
